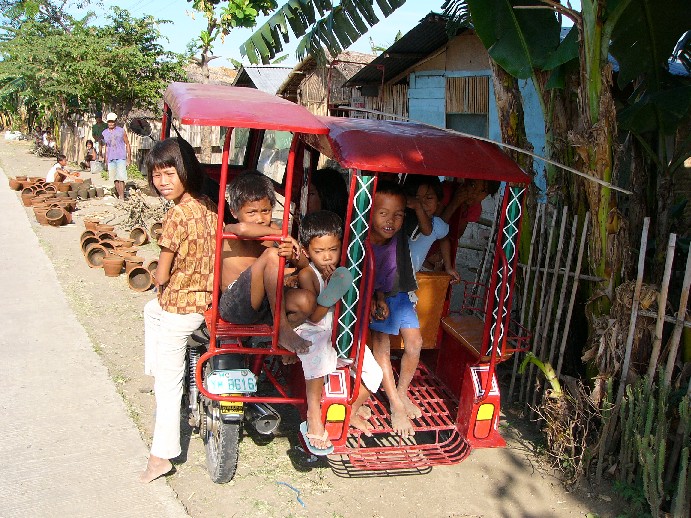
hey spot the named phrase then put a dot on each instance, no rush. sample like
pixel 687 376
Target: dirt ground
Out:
pixel 508 482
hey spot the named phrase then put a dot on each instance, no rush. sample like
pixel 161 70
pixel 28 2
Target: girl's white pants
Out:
pixel 165 345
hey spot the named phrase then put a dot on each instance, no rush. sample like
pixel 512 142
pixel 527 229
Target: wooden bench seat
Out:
pixel 467 330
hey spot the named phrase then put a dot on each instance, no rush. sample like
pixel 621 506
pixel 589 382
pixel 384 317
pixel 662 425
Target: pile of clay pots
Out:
pixel 81 189
pixel 103 248
pixel 51 204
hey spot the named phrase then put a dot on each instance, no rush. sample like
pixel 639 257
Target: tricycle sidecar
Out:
pixel 455 384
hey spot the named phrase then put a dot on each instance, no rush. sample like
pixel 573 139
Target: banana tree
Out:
pixel 337 27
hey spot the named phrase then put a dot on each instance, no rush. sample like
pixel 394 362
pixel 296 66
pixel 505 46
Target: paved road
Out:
pixel 67 445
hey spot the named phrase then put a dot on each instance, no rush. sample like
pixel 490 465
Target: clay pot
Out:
pixel 151 265
pixel 125 242
pixel 15 184
pixel 69 205
pixel 27 196
pixel 92 192
pixel 125 252
pixel 50 188
pixel 139 236
pixel 112 265
pixel 95 255
pixel 86 241
pixel 86 233
pixel 99 192
pixel 21 178
pixel 105 228
pixel 86 182
pixel 83 193
pixel 63 187
pixel 139 279
pixel 35 179
pixel 73 195
pixel 105 236
pixel 74 186
pixel 62 195
pixel 40 214
pixel 91 224
pixel 155 230
pixel 56 216
pixel 133 262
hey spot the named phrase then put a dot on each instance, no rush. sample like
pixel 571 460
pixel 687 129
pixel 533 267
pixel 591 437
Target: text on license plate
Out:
pixel 236 380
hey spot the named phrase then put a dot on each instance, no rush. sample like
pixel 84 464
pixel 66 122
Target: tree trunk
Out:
pixel 205 130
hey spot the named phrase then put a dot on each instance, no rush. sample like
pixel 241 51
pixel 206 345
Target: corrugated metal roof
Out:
pixel 265 78
pixel 418 43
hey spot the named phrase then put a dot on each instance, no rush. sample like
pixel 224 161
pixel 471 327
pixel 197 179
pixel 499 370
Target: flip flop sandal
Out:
pixel 313 449
pixel 339 283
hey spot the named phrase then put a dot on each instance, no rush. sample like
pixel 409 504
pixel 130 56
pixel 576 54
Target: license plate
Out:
pixel 229 407
pixel 235 381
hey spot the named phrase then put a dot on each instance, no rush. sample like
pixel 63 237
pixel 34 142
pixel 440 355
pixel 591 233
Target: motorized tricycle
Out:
pixel 235 375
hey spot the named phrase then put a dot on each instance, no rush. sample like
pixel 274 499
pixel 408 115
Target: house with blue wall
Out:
pixel 447 83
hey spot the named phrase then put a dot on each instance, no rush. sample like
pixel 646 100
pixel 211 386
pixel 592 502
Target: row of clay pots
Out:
pixel 52 210
pixel 103 249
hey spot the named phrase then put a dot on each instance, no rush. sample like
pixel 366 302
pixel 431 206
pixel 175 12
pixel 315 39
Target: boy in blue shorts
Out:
pixel 392 311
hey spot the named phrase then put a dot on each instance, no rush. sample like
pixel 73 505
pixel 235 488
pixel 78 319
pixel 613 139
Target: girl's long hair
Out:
pixel 178 153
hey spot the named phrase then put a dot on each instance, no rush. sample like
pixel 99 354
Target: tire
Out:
pixel 221 441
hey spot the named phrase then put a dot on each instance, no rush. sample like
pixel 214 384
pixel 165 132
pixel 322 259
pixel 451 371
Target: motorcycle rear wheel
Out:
pixel 221 441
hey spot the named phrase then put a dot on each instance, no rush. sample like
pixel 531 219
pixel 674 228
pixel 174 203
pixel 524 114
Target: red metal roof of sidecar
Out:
pixel 238 107
pixel 414 148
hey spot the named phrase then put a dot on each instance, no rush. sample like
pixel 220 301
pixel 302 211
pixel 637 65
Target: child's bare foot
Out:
pixel 364 412
pixel 155 468
pixel 411 409
pixel 289 359
pixel 356 421
pixel 401 424
pixel 316 434
pixel 289 339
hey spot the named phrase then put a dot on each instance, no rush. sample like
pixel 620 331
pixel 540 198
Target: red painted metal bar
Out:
pixel 498 334
pixel 489 294
pixel 361 331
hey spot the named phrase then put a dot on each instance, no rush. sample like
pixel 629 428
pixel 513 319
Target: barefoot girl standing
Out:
pixel 184 280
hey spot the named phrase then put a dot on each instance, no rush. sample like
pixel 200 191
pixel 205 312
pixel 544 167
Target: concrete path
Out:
pixel 67 445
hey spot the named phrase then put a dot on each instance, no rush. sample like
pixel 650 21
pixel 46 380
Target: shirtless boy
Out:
pixel 250 266
pixel 392 311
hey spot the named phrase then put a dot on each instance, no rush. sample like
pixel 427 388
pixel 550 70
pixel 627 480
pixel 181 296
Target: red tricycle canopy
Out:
pixel 238 107
pixel 413 148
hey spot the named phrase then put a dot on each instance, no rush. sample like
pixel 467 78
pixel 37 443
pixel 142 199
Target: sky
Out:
pixel 184 28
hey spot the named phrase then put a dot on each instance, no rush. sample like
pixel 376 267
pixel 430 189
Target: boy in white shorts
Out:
pixel 320 236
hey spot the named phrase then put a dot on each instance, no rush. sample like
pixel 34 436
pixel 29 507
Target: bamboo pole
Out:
pixel 550 300
pixel 526 275
pixel 533 290
pixel 564 272
pixel 541 304
pixel 673 344
pixel 564 286
pixel 574 290
pixel 661 307
pixel 634 310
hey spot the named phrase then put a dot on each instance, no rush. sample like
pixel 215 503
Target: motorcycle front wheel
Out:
pixel 221 441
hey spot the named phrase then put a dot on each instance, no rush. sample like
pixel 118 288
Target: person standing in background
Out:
pixel 116 153
pixel 97 134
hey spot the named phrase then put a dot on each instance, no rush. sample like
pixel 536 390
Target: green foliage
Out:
pixel 51 70
pixel 635 496
pixel 221 19
pixel 341 27
pixel 133 172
